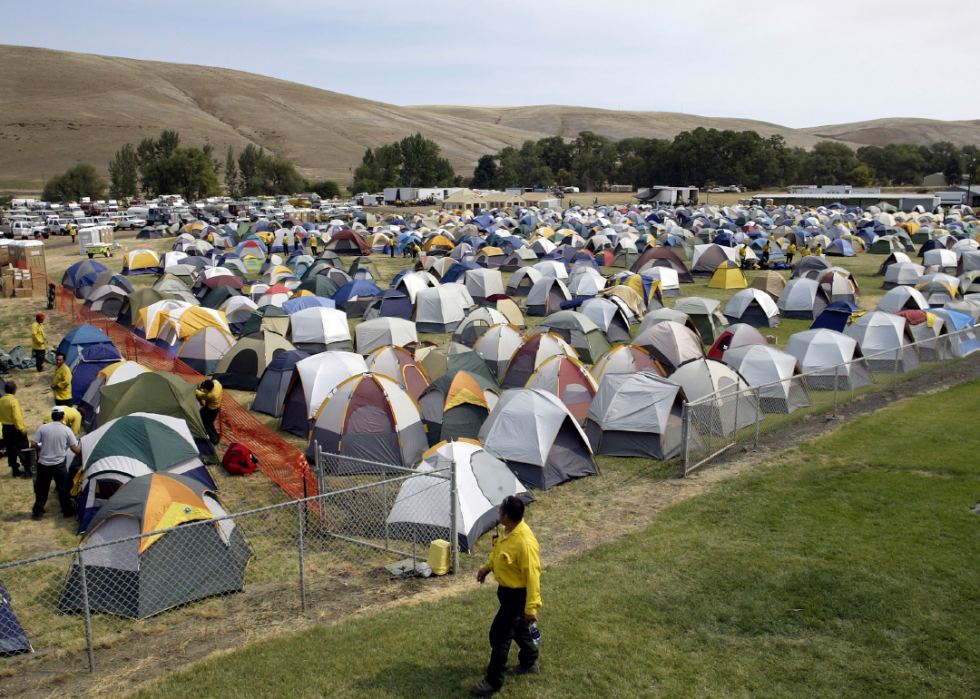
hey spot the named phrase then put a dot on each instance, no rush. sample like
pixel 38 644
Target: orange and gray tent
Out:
pixel 242 367
pixel 371 419
pixel 399 364
pixel 625 359
pixel 539 440
pixel 639 414
pixel 569 380
pixel 532 354
pixel 144 575
pixel 456 405
pixel 422 509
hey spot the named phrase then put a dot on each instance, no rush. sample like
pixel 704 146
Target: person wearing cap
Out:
pixel 515 561
pixel 210 395
pixel 39 343
pixel 61 382
pixel 53 440
pixel 14 430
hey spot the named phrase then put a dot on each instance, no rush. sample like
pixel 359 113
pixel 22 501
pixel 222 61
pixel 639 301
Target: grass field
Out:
pixel 845 567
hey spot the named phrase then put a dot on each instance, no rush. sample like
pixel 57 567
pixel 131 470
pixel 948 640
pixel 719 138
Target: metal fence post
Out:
pixel 685 438
pixel 943 350
pixel 895 376
pixel 836 382
pixel 453 525
pixel 738 393
pixel 302 557
pixel 384 507
pixel 758 411
pixel 86 610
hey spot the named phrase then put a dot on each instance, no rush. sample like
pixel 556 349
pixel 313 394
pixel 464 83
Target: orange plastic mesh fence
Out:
pixel 280 460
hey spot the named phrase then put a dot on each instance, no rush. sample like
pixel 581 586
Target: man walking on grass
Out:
pixel 39 343
pixel 515 562
pixel 14 431
pixel 61 381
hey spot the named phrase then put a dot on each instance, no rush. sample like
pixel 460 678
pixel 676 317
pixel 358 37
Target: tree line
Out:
pixel 704 156
pixel 161 166
pixel 414 161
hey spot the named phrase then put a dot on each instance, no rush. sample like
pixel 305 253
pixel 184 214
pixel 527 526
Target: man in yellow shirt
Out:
pixel 73 418
pixel 14 430
pixel 515 562
pixel 61 382
pixel 210 394
pixel 790 251
pixel 39 343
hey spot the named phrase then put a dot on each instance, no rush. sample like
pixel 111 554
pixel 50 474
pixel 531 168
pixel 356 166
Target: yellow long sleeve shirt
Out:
pixel 515 561
pixel 212 398
pixel 73 419
pixel 62 383
pixel 11 413
pixel 38 340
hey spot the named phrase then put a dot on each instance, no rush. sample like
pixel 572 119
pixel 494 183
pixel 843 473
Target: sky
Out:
pixel 789 62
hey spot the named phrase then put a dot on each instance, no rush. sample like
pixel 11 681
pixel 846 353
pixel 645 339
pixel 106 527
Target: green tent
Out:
pixel 468 361
pixel 578 330
pixel 468 407
pixel 319 284
pixel 218 295
pixel 271 318
pixel 158 392
pixel 137 301
pixel 145 440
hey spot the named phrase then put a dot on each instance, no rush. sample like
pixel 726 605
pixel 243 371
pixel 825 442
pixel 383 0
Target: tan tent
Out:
pixel 770 282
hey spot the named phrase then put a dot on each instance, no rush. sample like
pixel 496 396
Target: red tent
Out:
pixel 347 242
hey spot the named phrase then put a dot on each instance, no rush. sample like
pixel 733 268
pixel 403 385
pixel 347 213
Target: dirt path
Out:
pixel 164 645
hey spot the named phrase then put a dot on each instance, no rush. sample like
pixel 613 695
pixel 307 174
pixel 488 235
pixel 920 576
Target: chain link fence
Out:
pixel 738 417
pixel 247 568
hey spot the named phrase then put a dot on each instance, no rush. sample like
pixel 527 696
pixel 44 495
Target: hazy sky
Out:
pixel 785 61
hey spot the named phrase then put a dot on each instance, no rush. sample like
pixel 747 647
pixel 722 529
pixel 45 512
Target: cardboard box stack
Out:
pixel 21 283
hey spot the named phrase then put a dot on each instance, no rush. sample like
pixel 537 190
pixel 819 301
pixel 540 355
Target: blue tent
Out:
pixel 87 365
pixel 79 338
pixel 930 245
pixel 840 248
pixel 835 316
pixel 390 303
pixel 358 287
pixel 458 271
pixel 82 274
pixel 303 302
pixel 275 382
pixel 13 640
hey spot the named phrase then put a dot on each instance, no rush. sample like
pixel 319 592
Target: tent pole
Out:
pixel 453 525
pixel 302 562
pixel 87 611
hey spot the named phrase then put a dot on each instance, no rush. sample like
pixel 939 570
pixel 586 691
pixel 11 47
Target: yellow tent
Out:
pixel 438 241
pixel 726 277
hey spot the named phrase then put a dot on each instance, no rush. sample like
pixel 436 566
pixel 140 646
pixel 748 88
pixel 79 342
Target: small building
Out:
pixel 464 199
pixel 504 200
pixel 936 179
pixel 542 200
pixel 620 188
pixel 971 195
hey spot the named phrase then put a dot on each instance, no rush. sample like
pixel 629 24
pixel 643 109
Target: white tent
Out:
pixel 442 309
pixel 824 354
pixel 320 329
pixel 624 359
pixel 944 259
pixel 313 380
pixel 522 281
pixel 533 432
pixel 611 315
pixel 481 283
pixel 670 343
pixel 379 332
pixel 885 341
pixel 546 295
pixel 586 283
pixel 772 370
pixel 902 274
pixel 552 268
pixel 902 298
pixel 477 322
pixel 497 345
pixel 421 512
pixel 669 281
pixel 753 307
pixel 638 414
pixel 724 403
pixel 802 299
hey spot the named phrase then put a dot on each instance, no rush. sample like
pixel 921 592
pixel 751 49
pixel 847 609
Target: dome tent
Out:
pixel 532 354
pixel 422 508
pixel 372 334
pixel 569 380
pixel 477 322
pixel 885 341
pixel 671 344
pixel 86 367
pixel 546 296
pixel 91 399
pixel 272 387
pixel 204 350
pixel 611 315
pixel 638 414
pixel 625 359
pixel 399 364
pixel 312 380
pixel 723 402
pixel 243 366
pixel 774 371
pixel 320 330
pixel 79 338
pixel 369 417
pixel 456 405
pixel 752 307
pixel 441 309
pixel 497 345
pixel 146 576
pixel 538 439
pixel 828 357
pixel 390 303
pixel 802 299
pixel 736 335
pixel 706 315
pixel 578 330
pixel 522 281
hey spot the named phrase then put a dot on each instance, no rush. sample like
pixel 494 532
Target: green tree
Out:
pixel 124 173
pixel 420 162
pixel 861 176
pixel 250 174
pixel 232 184
pixel 593 160
pixel 75 184
pixel 829 163
pixel 485 174
pixel 326 189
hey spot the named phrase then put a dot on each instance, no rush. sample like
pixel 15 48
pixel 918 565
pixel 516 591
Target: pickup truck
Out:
pixel 130 222
pixel 27 230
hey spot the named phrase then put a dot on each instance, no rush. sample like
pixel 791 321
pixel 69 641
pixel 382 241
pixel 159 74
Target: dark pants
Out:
pixel 62 483
pixel 507 626
pixel 208 416
pixel 63 401
pixel 13 441
pixel 39 360
pixel 789 259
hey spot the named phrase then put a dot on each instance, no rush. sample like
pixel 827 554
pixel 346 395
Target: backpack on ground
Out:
pixel 239 460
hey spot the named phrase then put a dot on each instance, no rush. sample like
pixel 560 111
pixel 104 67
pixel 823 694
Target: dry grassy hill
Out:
pixel 58 108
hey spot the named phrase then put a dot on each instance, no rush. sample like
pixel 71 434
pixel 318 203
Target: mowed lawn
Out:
pixel 844 568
